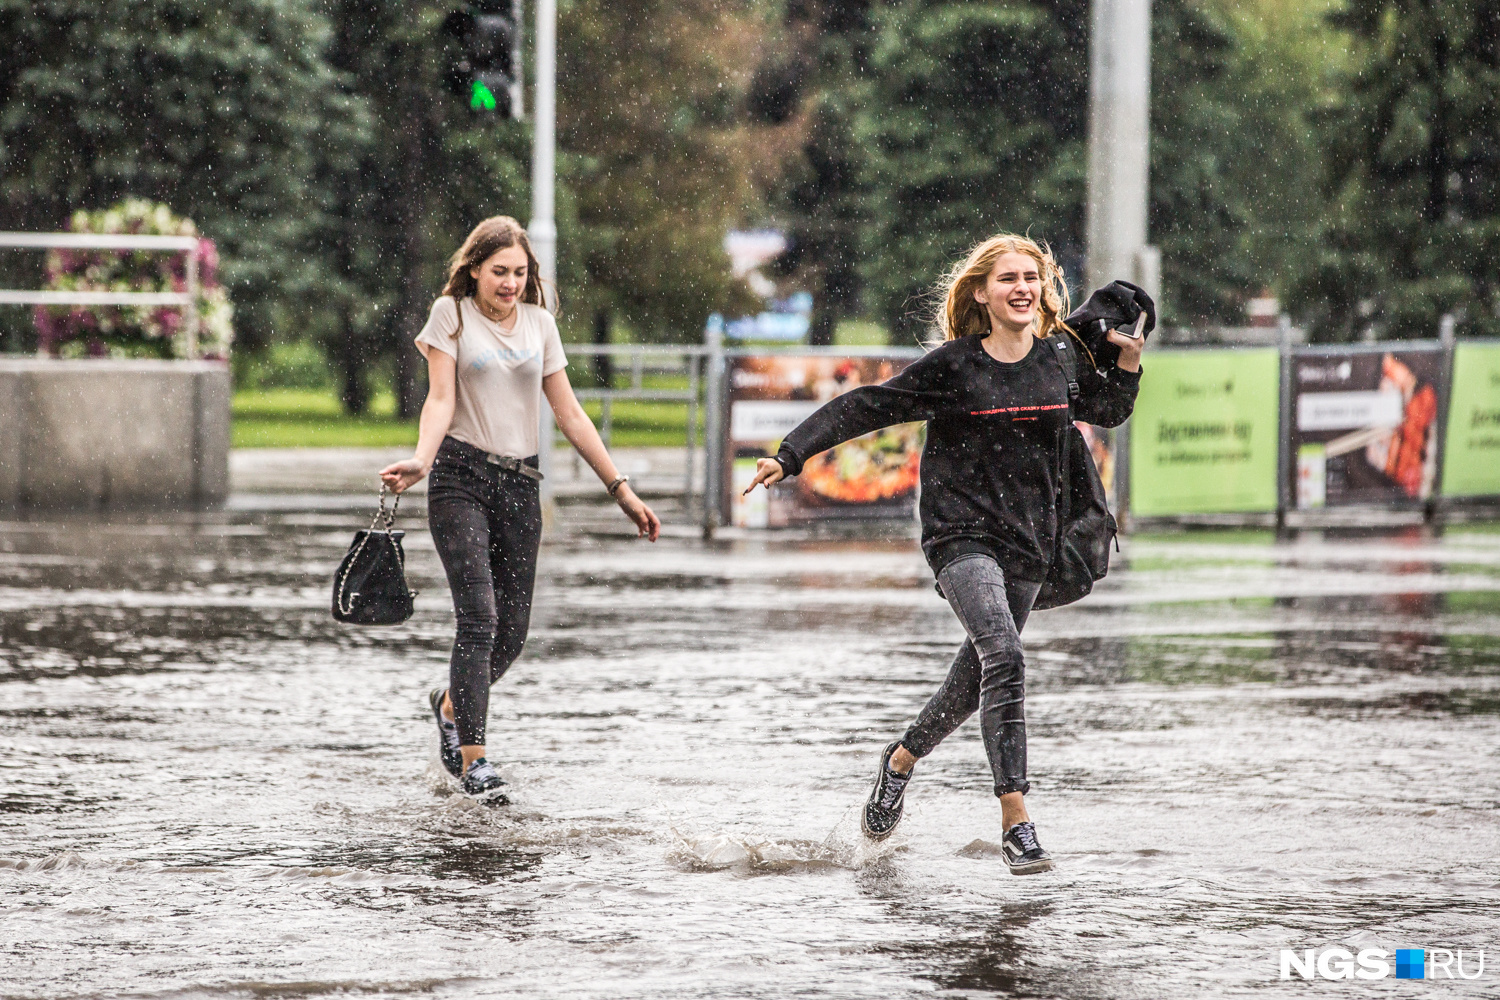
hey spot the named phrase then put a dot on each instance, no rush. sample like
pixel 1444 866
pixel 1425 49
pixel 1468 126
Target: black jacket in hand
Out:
pixel 992 462
pixel 1116 306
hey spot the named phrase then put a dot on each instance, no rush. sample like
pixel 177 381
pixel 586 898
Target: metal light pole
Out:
pixel 1119 144
pixel 543 227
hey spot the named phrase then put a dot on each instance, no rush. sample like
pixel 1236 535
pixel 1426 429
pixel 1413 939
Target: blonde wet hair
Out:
pixel 959 315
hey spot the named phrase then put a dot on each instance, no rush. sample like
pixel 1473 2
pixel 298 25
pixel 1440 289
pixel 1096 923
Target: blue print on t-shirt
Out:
pixel 501 354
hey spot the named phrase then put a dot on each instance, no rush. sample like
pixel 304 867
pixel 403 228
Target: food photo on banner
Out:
pixel 873 476
pixel 1365 426
pixel 1101 443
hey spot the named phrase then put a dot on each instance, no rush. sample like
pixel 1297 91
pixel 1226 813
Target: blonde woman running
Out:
pixel 995 398
pixel 492 353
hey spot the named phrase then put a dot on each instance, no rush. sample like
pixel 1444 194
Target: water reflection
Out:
pixel 211 789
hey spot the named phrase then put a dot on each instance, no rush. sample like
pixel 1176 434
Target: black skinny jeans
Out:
pixel 988 674
pixel 487 524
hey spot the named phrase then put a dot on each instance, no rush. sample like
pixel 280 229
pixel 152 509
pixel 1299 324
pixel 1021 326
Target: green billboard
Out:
pixel 1203 438
pixel 1471 451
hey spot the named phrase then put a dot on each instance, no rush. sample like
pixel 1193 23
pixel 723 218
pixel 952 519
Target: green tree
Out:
pixel 659 159
pixel 1413 167
pixel 426 170
pixel 970 118
pixel 973 120
pixel 1235 207
pixel 812 80
pixel 1198 210
pixel 222 111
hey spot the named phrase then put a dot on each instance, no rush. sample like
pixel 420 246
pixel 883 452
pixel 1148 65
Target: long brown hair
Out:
pixel 494 233
pixel 960 315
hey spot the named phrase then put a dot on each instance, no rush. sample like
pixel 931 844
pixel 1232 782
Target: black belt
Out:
pixel 513 465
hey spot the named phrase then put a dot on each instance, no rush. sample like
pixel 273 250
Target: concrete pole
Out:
pixel 713 428
pixel 543 227
pixel 1119 141
pixel 1119 172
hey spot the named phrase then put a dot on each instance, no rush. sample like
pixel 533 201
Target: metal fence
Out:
pixel 187 301
pixel 640 360
pixel 705 370
pixel 704 366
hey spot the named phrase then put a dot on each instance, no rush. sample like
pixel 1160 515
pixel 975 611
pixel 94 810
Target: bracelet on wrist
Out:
pixel 614 487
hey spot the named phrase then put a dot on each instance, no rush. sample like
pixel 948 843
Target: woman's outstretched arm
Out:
pixel 437 417
pixel 916 394
pixel 580 431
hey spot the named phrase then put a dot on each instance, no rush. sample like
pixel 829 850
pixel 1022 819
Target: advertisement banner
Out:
pixel 1364 426
pixel 1101 442
pixel 874 476
pixel 1204 434
pixel 1471 452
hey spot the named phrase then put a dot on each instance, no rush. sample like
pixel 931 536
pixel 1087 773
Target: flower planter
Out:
pixel 112 433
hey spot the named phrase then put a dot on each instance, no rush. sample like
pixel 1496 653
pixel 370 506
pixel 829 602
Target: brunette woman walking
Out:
pixel 995 397
pixel 492 353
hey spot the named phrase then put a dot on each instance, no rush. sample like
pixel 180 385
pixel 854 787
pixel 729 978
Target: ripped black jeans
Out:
pixel 988 674
pixel 487 525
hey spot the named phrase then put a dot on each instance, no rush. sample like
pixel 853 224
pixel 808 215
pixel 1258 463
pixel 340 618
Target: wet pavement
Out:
pixel 210 789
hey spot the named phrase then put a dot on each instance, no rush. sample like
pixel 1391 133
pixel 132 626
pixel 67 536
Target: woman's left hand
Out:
pixel 1130 350
pixel 647 524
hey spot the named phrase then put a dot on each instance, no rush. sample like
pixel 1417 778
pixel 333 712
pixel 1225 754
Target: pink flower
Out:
pixel 208 263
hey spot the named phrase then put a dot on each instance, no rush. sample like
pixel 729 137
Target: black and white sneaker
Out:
pixel 1023 852
pixel 453 758
pixel 482 783
pixel 882 810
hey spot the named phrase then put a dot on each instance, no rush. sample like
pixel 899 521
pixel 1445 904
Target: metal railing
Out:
pixel 187 301
pixel 704 366
pixel 689 360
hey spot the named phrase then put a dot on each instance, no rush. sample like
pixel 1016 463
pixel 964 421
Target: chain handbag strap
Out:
pixel 389 519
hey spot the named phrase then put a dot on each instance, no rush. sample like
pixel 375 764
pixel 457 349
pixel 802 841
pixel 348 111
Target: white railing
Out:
pixel 664 359
pixel 187 301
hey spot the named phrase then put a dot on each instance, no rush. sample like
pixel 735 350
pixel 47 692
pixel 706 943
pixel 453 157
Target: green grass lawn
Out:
pixel 312 418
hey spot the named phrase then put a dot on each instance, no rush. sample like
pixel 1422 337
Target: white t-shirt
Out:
pixel 499 373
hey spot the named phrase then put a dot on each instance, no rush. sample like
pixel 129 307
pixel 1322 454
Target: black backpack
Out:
pixel 1085 527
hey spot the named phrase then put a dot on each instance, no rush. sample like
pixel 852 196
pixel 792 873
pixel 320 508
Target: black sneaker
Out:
pixel 1023 853
pixel 453 758
pixel 483 783
pixel 883 809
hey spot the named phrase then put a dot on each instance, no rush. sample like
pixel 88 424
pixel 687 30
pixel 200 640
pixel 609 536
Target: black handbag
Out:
pixel 370 585
pixel 1085 527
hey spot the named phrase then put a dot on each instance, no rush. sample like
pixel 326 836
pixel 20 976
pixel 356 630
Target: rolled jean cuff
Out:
pixel 1023 786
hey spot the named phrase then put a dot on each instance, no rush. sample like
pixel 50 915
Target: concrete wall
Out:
pixel 113 433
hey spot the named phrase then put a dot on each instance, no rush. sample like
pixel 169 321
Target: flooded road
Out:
pixel 210 789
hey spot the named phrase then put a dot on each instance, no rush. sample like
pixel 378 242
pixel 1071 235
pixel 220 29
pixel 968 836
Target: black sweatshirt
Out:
pixel 993 458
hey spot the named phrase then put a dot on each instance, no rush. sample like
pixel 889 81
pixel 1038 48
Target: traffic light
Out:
pixel 485 69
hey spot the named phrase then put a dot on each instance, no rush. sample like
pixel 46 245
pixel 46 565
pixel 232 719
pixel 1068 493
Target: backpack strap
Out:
pixel 1069 359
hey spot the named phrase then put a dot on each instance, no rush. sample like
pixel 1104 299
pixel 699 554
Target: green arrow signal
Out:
pixel 481 98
